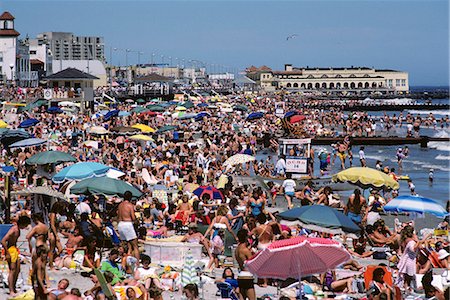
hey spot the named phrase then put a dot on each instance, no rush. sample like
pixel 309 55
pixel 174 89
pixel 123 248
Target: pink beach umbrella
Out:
pixel 296 257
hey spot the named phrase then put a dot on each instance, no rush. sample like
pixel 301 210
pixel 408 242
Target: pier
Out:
pixel 384 141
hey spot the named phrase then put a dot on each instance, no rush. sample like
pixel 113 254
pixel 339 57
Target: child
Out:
pixel 430 176
pixel 217 248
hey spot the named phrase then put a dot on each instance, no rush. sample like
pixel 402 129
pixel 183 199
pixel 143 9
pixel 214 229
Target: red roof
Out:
pixel 6 16
pixel 36 62
pixel 9 32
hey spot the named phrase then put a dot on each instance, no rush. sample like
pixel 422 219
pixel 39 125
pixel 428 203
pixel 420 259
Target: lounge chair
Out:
pixel 226 291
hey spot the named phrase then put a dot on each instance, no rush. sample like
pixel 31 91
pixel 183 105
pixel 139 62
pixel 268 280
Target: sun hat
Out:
pixel 443 254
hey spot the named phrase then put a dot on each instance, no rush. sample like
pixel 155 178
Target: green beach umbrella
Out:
pixel 187 104
pixel 105 186
pixel 189 273
pixel 240 107
pixel 166 128
pixel 155 108
pixel 140 101
pixel 139 109
pixel 50 157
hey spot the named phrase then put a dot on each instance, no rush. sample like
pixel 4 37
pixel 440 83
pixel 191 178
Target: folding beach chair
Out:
pixel 368 277
pixel 226 291
pixel 105 288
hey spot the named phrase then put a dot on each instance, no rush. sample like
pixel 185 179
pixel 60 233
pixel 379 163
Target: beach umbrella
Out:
pixel 186 116
pixel 140 101
pixel 180 108
pixel 320 218
pixel 3 124
pixel 138 109
pixel 200 116
pixel 124 113
pixel 11 136
pixel 124 130
pixel 296 257
pixel 50 157
pixel 114 173
pixel 291 113
pixel 296 119
pixel 153 107
pixel 143 128
pixel 111 114
pixel 255 116
pixel 148 113
pixel 240 107
pixel 28 143
pixel 105 186
pixel 238 159
pixel 55 110
pixel 178 114
pixel 28 123
pixel 213 192
pixel 68 103
pixel 141 137
pixel 41 190
pixel 129 101
pixel 166 128
pixel 188 104
pixel 189 273
pixel 202 104
pixel 80 171
pixel 98 130
pixel 366 178
pixel 415 204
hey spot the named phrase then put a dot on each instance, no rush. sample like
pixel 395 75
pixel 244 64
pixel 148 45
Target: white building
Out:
pixel 352 79
pixel 8 47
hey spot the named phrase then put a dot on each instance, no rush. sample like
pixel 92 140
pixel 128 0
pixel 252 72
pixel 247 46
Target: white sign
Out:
pixel 296 165
pixel 295 141
pixel 48 94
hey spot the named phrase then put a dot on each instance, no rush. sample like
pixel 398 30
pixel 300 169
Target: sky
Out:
pixel 411 36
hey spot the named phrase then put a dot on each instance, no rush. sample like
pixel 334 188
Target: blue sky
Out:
pixel 406 35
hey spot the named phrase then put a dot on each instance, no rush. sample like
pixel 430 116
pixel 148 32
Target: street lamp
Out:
pixel 153 58
pixel 126 57
pixel 110 66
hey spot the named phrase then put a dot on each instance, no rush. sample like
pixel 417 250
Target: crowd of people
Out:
pixel 189 156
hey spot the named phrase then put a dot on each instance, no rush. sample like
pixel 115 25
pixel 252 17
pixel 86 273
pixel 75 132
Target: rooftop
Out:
pixel 71 73
pixel 153 77
pixel 6 16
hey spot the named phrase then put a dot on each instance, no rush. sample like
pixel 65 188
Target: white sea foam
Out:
pixel 441 146
pixel 442 157
pixel 440 112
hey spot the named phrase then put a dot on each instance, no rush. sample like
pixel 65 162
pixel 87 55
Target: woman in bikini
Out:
pixel 39 234
pixel 220 221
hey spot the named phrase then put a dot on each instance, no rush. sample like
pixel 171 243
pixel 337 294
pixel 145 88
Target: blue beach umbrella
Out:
pixel 110 114
pixel 320 218
pixel 28 123
pixel 11 136
pixel 28 143
pixel 213 192
pixel 291 113
pixel 55 110
pixel 255 116
pixel 202 104
pixel 200 116
pixel 124 114
pixel 80 171
pixel 415 204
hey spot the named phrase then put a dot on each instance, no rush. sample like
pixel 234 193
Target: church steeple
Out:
pixel 7 25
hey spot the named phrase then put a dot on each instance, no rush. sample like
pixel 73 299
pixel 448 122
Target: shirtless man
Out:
pixel 263 232
pixel 9 242
pixel 245 278
pixel 126 218
pixel 342 148
pixel 39 275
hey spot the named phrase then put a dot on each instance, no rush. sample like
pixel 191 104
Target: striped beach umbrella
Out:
pixel 238 159
pixel 189 274
pixel 213 192
pixel 416 204
pixel 296 257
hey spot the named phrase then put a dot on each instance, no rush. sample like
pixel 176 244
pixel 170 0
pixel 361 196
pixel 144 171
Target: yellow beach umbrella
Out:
pixel 141 137
pixel 366 178
pixel 3 124
pixel 143 128
pixel 180 108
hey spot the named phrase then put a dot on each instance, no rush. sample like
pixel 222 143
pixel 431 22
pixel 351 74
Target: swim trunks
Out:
pixel 126 231
pixel 14 252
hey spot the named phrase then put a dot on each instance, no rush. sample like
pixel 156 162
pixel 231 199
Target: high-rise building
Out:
pixel 67 46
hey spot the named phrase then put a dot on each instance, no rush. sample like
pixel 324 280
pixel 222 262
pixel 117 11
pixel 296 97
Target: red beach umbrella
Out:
pixel 297 118
pixel 296 257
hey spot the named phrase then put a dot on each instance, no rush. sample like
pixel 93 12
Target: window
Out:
pixel 1 56
pixel 32 51
pixel 403 82
pixel 397 82
pixel 389 83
